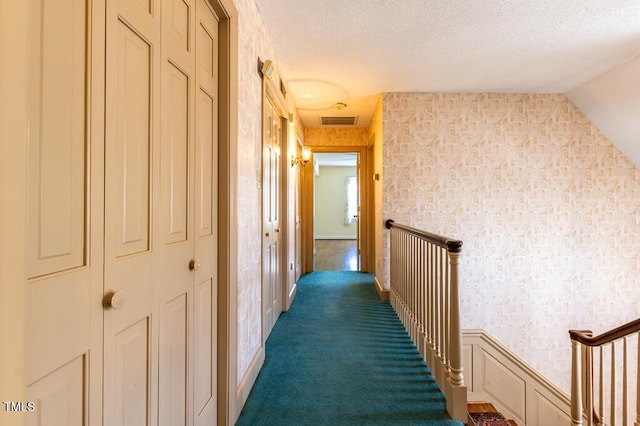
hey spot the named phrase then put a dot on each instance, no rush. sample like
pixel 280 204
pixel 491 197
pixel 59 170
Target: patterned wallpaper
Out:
pixel 252 43
pixel 547 207
pixel 335 136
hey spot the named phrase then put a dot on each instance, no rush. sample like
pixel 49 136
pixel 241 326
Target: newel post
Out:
pixel 455 391
pixel 576 383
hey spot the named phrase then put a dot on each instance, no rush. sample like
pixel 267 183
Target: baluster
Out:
pixel 432 309
pixel 444 350
pixel 394 259
pixel 420 284
pixel 437 309
pixel 429 298
pixel 637 422
pixel 625 384
pixel 403 294
pixel 417 287
pixel 415 290
pixel 602 384
pixel 423 283
pixel 588 391
pixel 410 286
pixel 613 383
pixel 576 383
pixel 400 275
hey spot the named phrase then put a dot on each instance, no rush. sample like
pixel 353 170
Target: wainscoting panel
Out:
pixel 496 375
pixel 545 412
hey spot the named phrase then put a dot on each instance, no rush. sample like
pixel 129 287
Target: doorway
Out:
pixel 336 211
pixel 347 233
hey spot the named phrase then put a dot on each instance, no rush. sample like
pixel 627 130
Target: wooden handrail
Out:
pixel 454 246
pixel 586 336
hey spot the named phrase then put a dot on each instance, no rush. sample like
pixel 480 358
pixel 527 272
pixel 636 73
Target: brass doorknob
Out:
pixel 194 264
pixel 114 299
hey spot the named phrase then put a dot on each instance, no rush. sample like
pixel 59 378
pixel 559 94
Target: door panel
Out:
pixel 56 223
pixel 206 142
pixel 173 363
pixel 58 396
pixel 133 375
pixel 58 273
pixel 204 353
pixel 176 153
pixel 133 142
pixel 131 192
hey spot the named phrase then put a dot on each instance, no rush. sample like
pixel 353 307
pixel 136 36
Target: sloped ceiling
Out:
pixel 612 102
pixel 357 49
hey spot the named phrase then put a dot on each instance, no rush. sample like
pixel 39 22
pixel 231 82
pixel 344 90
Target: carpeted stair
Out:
pixel 340 356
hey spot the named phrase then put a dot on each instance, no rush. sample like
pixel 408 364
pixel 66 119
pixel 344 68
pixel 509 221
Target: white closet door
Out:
pixel 131 215
pixel 175 237
pixel 271 205
pixel 205 324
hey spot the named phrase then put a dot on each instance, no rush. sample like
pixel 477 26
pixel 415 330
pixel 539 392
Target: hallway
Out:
pixel 335 255
pixel 341 356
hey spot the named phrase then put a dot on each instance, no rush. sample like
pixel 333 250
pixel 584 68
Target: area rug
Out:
pixel 488 419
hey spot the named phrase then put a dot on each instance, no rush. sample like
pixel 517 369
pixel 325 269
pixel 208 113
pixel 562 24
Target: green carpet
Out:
pixel 340 356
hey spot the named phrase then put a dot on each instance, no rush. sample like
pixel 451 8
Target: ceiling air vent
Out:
pixel 339 121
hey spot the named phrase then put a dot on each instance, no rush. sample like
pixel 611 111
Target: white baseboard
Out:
pixel 249 378
pixel 291 296
pixel 383 294
pixel 495 374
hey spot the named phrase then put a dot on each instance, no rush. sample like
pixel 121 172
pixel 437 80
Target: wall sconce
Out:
pixel 266 68
pixel 304 159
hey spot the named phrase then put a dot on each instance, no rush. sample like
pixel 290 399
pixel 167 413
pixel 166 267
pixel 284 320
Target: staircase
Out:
pixel 485 414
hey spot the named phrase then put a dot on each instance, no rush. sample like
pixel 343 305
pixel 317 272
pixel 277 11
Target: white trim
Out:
pixel 291 296
pixel 383 293
pixel 520 392
pixel 249 378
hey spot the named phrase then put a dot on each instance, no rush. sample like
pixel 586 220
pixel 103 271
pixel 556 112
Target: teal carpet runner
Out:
pixel 340 356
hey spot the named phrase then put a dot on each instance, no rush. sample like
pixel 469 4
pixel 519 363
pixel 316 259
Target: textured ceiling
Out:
pixel 365 47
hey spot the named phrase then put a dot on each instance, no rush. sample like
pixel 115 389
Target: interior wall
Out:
pixel 335 136
pixel 330 203
pixel 253 43
pixel 546 205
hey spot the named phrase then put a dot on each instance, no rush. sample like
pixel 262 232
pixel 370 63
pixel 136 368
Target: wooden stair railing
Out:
pixel 592 358
pixel 424 292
